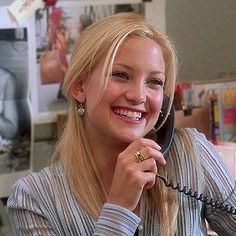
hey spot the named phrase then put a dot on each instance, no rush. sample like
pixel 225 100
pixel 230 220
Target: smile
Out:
pixel 129 114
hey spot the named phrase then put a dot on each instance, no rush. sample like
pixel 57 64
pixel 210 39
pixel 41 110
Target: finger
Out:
pixel 149 179
pixel 148 165
pixel 142 142
pixel 139 156
pixel 153 153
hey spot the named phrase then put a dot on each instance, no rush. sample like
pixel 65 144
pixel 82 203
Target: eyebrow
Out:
pixel 130 68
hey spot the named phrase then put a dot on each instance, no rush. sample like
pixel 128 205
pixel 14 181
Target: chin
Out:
pixel 130 137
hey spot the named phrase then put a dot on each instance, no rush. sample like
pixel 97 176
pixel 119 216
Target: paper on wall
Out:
pixel 20 10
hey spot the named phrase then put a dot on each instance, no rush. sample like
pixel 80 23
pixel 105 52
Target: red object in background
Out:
pixel 50 3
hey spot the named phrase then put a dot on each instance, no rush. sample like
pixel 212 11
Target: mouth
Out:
pixel 129 114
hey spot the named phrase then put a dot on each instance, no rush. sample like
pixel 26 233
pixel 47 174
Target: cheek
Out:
pixel 99 105
pixel 112 92
pixel 156 103
pixel 91 93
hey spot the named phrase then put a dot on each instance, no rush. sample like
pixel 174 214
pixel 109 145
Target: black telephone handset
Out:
pixel 164 137
pixel 166 132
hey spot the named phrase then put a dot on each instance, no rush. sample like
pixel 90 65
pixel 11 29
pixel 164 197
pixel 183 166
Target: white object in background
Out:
pixel 23 9
pixel 228 154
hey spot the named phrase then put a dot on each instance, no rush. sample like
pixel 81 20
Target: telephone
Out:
pixel 166 133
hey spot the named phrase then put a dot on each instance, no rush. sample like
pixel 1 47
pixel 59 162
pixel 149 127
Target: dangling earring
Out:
pixel 81 109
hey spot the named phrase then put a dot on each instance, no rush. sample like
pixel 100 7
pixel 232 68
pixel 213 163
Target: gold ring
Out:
pixel 139 156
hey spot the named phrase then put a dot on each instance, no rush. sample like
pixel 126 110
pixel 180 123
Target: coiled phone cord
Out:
pixel 199 197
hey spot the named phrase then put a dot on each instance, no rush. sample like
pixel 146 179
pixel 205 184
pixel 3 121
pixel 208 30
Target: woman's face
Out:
pixel 130 105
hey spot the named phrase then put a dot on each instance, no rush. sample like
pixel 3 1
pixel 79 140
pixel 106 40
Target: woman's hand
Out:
pixel 135 170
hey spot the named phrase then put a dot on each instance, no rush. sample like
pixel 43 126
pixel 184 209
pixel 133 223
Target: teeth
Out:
pixel 131 114
pixel 134 115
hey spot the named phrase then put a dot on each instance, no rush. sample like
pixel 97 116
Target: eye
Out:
pixel 120 75
pixel 155 83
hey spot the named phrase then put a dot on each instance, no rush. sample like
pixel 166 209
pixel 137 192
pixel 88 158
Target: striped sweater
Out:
pixel 40 206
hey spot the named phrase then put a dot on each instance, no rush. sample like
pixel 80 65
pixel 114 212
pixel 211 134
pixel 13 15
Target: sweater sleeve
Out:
pixel 116 220
pixel 26 215
pixel 220 185
pixel 35 209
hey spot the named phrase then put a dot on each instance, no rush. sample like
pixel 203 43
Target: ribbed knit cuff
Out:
pixel 116 220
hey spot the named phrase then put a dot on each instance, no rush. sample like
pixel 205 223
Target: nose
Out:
pixel 136 93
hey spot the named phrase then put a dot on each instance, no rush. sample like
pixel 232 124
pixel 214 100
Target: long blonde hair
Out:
pixel 99 40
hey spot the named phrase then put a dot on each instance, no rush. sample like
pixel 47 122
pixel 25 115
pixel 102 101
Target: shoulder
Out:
pixel 195 142
pixel 47 193
pixel 193 136
pixel 202 146
pixel 205 153
pixel 193 150
pixel 36 180
pixel 191 132
pixel 39 186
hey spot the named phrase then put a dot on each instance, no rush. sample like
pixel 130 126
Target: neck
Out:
pixel 105 155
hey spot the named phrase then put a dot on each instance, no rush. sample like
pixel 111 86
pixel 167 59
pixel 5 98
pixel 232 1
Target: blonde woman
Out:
pixel 102 179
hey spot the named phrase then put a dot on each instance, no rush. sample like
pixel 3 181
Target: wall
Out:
pixel 155 12
pixel 5 2
pixel 204 34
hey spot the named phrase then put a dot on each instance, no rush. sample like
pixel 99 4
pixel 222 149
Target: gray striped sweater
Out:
pixel 40 206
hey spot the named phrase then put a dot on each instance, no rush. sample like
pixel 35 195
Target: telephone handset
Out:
pixel 166 132
pixel 164 138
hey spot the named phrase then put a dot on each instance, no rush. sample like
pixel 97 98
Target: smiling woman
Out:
pixel 132 100
pixel 103 176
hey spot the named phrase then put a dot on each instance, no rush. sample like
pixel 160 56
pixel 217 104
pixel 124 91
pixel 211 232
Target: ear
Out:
pixel 78 91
